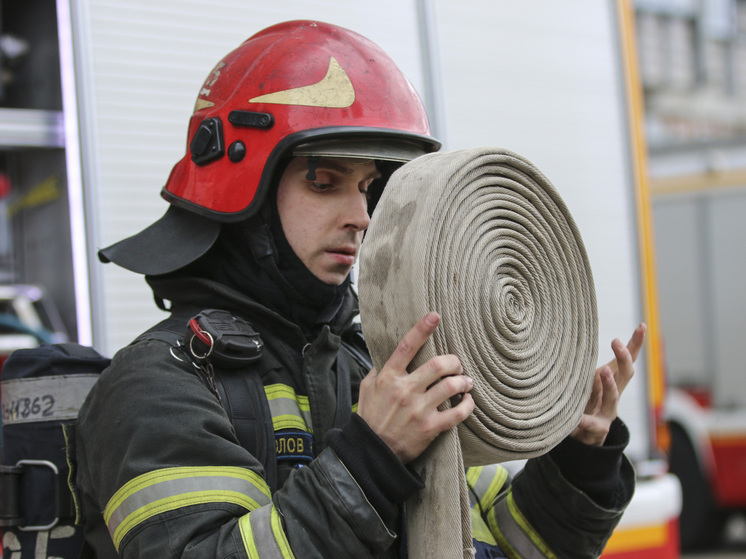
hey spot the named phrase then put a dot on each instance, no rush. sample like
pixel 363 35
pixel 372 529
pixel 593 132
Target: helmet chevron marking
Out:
pixel 334 91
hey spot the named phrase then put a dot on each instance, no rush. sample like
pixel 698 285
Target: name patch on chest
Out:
pixel 294 446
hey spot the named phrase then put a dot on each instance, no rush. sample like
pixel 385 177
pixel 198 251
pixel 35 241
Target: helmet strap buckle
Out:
pixel 207 144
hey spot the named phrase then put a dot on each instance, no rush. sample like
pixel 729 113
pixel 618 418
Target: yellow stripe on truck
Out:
pixel 646 242
pixel 647 537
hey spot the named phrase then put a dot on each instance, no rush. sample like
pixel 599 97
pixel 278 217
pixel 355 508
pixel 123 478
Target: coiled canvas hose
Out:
pixel 484 239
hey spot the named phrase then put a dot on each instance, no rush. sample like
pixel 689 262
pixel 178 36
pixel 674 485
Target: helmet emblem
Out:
pixel 205 91
pixel 334 91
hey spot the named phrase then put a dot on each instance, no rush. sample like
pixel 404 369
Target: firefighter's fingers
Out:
pixel 402 408
pixel 446 387
pixel 436 369
pixel 623 364
pixel 591 430
pixel 626 357
pixel 595 424
pixel 594 402
pixel 405 416
pixel 610 398
pixel 412 342
pixel 635 342
pixel 457 413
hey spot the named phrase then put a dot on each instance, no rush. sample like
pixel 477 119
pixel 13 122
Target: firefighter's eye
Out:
pixel 321 186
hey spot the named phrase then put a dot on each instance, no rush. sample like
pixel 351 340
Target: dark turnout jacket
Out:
pixel 163 473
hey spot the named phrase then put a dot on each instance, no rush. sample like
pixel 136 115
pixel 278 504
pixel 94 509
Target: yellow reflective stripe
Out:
pixel 244 526
pixel 502 541
pixel 527 528
pixel 279 533
pixel 289 421
pixel 479 530
pixel 354 407
pixel 499 476
pixel 284 391
pixel 514 534
pixel 472 475
pixel 289 410
pixel 486 482
pixel 169 489
pixel 263 535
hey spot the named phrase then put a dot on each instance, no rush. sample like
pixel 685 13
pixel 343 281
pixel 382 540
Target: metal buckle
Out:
pixel 209 347
pixel 56 472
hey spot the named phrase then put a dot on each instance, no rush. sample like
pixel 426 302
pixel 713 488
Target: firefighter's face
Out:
pixel 324 219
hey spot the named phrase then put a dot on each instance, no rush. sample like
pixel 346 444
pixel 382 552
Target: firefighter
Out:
pixel 281 442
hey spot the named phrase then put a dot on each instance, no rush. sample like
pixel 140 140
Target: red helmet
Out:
pixel 296 88
pixel 301 88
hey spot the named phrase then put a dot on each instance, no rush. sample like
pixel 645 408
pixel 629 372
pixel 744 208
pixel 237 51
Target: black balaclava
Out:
pixel 254 258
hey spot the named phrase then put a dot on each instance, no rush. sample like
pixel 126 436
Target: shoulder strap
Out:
pixel 171 338
pixel 354 346
pixel 241 394
pixel 245 401
pixel 344 397
pixel 354 342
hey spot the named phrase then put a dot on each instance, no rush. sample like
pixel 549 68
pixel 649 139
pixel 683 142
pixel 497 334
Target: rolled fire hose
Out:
pixel 482 237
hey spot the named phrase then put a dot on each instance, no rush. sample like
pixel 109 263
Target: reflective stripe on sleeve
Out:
pixel 515 536
pixel 263 536
pixel 169 489
pixel 486 482
pixel 289 410
pixel 479 529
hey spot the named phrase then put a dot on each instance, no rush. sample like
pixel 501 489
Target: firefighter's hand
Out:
pixel 608 384
pixel 402 407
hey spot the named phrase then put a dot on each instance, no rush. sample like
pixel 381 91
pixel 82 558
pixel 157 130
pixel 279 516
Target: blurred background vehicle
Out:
pixel 693 66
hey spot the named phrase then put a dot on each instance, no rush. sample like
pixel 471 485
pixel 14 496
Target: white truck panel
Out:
pixel 728 253
pixel 682 305
pixel 701 252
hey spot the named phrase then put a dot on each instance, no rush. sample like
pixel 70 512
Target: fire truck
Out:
pixel 555 82
pixel 699 197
